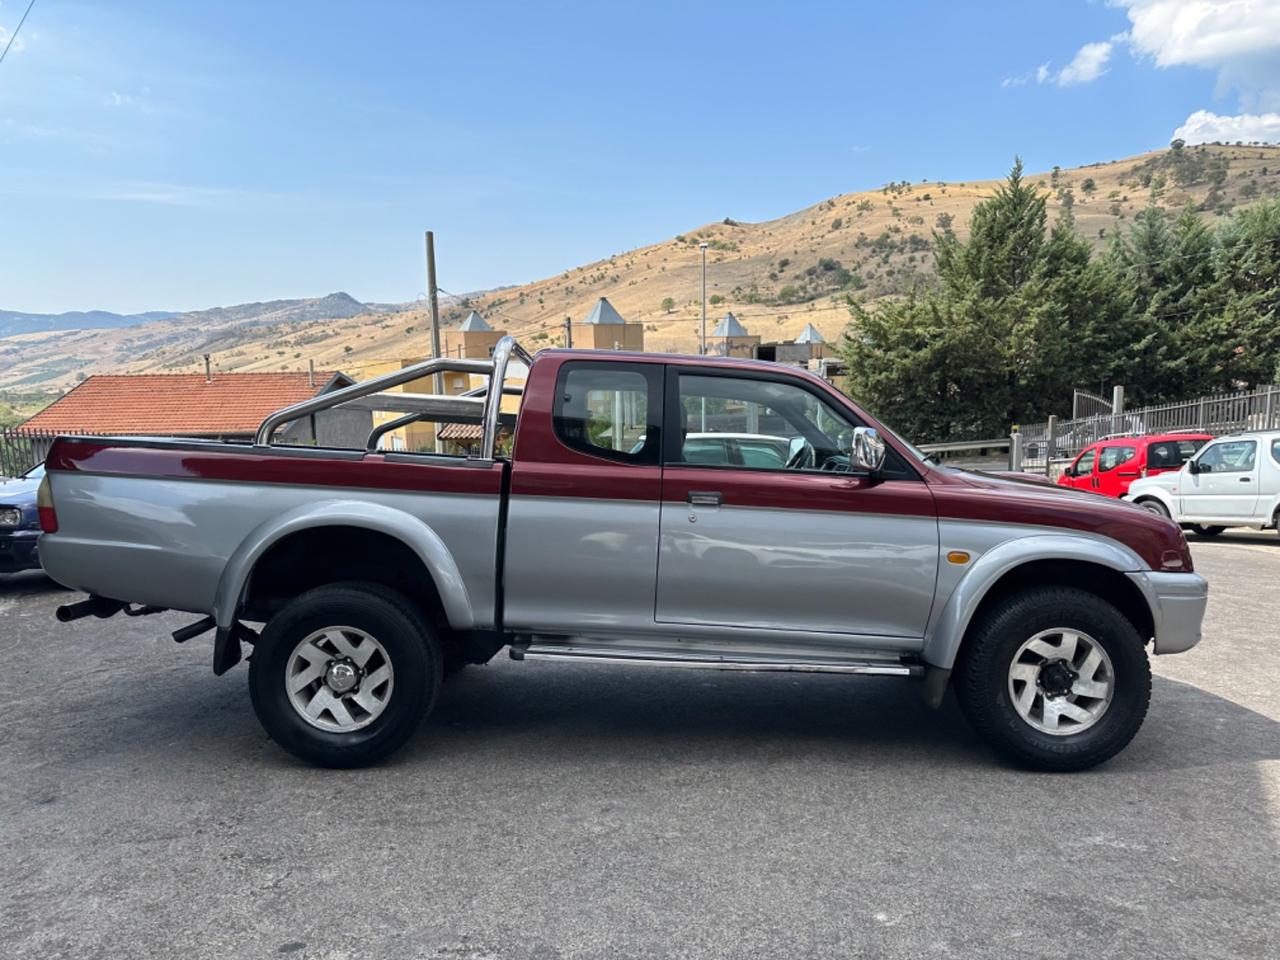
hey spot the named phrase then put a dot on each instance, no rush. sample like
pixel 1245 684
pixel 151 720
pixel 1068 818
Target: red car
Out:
pixel 1109 466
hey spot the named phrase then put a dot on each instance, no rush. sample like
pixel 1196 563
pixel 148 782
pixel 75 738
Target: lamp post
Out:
pixel 702 335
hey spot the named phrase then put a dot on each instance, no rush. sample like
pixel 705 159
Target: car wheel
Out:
pixel 1154 506
pixel 1205 530
pixel 1054 678
pixel 345 674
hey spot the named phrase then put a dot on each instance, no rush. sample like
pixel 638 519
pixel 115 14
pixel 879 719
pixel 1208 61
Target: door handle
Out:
pixel 1128 473
pixel 1246 479
pixel 705 498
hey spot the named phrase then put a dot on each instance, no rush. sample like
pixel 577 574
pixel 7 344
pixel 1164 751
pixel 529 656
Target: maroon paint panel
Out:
pixel 372 472
pixel 1159 542
pixel 800 491
pixel 593 480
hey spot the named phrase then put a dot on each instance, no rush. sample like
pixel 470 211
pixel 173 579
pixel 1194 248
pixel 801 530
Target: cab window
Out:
pixel 1230 456
pixel 1085 464
pixel 764 424
pixel 609 410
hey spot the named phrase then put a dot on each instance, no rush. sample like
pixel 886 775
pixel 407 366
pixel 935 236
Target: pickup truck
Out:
pixel 373 574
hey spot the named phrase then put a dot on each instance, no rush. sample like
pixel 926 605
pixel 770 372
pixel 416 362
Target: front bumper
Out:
pixel 1177 602
pixel 18 551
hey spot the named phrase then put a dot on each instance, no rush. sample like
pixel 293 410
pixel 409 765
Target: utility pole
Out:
pixel 434 301
pixel 702 336
pixel 568 332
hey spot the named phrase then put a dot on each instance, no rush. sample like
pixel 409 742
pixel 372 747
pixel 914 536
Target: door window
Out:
pixel 770 425
pixel 1230 456
pixel 1275 450
pixel 1084 466
pixel 609 410
pixel 1112 457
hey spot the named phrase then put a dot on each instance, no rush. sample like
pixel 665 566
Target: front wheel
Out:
pixel 1151 505
pixel 345 674
pixel 1054 678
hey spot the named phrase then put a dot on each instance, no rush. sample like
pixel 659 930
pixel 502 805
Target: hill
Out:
pixel 775 275
pixel 15 322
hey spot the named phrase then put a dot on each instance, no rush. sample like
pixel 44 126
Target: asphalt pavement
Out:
pixel 581 811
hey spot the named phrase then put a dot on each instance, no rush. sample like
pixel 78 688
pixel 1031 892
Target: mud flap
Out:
pixel 226 649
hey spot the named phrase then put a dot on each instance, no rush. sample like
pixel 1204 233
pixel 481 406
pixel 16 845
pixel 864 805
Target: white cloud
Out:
pixel 1204 126
pixel 1089 63
pixel 1042 72
pixel 120 100
pixel 1203 33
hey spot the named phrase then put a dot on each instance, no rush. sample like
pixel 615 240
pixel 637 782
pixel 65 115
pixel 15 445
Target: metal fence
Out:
pixel 22 449
pixel 1041 447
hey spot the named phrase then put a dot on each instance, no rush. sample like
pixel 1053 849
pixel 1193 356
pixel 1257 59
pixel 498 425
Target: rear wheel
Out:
pixel 1054 679
pixel 345 674
pixel 1206 530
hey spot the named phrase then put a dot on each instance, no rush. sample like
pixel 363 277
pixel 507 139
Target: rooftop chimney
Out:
pixel 208 370
pixel 311 373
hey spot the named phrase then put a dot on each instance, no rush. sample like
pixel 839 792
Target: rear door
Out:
pixel 797 545
pixel 1226 484
pixel 1117 468
pixel 582 514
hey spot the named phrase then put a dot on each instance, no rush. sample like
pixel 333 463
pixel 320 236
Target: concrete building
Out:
pixel 604 329
pixel 808 346
pixel 731 339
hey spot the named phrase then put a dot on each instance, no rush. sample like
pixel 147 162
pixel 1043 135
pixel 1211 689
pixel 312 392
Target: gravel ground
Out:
pixel 586 811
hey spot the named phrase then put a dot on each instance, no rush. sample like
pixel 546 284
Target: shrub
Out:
pixel 716 298
pixel 668 304
pixel 837 223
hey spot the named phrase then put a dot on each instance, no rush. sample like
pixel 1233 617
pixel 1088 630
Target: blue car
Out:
pixel 20 522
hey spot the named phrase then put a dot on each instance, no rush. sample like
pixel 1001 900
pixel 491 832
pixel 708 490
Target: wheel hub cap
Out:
pixel 341 676
pixel 339 679
pixel 1061 681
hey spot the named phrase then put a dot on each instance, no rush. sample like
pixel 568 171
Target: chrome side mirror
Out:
pixel 868 450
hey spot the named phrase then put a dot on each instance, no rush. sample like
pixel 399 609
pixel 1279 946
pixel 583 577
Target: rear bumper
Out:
pixel 19 551
pixel 1177 601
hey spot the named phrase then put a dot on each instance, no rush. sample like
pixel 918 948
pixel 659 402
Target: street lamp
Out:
pixel 702 336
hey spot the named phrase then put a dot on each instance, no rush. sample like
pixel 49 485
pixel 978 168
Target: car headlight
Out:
pixel 10 517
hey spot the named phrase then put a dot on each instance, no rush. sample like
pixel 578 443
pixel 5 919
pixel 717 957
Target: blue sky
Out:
pixel 177 156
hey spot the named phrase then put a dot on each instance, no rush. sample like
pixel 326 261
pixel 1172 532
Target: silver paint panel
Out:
pixel 574 565
pixel 189 544
pixel 802 571
pixel 1177 602
pixel 995 549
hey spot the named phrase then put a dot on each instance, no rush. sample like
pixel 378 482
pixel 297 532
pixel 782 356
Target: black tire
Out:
pixel 1155 506
pixel 982 678
pixel 1205 530
pixel 411 648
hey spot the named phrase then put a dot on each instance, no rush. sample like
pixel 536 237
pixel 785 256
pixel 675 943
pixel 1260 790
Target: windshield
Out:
pixel 35 473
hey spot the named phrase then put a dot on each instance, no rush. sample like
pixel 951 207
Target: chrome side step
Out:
pixel 589 654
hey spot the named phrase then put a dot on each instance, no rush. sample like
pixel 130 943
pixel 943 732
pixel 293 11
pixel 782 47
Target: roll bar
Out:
pixel 382 429
pixel 463 408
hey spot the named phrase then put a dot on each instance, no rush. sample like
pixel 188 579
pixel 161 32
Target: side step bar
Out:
pixel 584 654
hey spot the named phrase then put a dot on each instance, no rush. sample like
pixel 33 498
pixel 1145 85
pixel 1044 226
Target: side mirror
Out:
pixel 1068 471
pixel 1193 466
pixel 868 450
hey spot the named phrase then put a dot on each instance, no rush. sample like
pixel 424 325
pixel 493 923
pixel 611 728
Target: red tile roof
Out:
pixel 175 404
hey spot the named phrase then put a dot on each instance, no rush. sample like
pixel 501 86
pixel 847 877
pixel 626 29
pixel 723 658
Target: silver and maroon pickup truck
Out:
pixel 617 531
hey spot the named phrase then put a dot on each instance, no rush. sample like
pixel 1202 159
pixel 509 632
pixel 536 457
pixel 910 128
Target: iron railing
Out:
pixel 22 448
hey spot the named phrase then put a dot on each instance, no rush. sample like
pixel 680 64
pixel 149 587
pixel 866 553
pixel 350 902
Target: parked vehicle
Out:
pixel 1234 481
pixel 1109 466
pixel 377 573
pixel 20 521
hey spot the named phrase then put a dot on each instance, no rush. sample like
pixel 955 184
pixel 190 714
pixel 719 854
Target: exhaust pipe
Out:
pixel 99 607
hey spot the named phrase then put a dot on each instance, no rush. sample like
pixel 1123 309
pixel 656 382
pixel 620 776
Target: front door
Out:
pixel 1226 484
pixel 796 543
pixel 1080 475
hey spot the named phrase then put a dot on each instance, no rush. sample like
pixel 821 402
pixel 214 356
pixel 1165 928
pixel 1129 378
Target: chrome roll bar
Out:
pixel 493 399
pixel 382 429
pixel 463 408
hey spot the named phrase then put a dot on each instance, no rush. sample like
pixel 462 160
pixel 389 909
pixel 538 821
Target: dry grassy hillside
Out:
pixel 776 276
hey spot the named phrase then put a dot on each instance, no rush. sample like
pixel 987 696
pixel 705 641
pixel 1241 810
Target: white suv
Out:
pixel 1234 481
